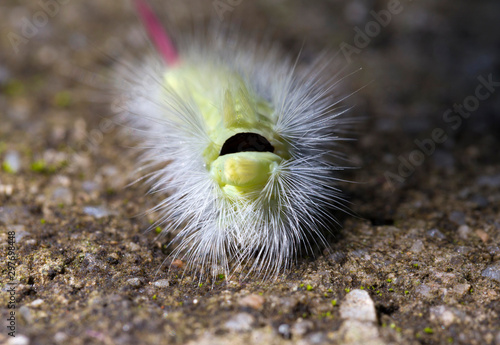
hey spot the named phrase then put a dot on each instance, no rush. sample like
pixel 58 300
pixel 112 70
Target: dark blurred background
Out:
pixel 415 64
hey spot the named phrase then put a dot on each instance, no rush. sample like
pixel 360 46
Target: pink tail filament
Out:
pixel 156 32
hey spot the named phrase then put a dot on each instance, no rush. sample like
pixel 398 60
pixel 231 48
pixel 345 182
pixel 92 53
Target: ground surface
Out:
pixel 420 265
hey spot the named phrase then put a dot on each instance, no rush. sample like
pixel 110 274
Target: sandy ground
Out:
pixel 420 264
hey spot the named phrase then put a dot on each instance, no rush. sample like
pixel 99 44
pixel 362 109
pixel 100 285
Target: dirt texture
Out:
pixel 418 261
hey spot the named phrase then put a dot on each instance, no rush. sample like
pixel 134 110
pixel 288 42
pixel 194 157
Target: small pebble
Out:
pixel 252 301
pixel 97 211
pixel 60 337
pixel 463 250
pixel 90 186
pixel 480 201
pixel 91 262
pixel 20 232
pixel 356 332
pixel 12 161
pixel 337 257
pixel 177 263
pixel 457 217
pixel 62 195
pixel 488 181
pixel 417 246
pixel 133 247
pixel 26 314
pixel 287 304
pixel 13 214
pixel 463 231
pixel 493 250
pixel 36 303
pixel 241 322
pixel 284 330
pixel 436 233
pixel 461 289
pixel 483 235
pixel 492 272
pixel 301 327
pixel 424 290
pixel 136 282
pixel 19 340
pixel 316 338
pixel 162 283
pixel 443 315
pixel 6 189
pixel 358 305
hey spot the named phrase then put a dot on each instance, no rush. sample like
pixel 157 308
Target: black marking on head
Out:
pixel 245 142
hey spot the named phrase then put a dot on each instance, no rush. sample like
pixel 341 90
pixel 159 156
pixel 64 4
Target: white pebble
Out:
pixel 358 305
pixel 19 340
pixel 240 323
pixel 12 160
pixel 134 282
pixel 417 246
pixel 97 211
pixel 162 283
pixel 463 231
pixel 492 272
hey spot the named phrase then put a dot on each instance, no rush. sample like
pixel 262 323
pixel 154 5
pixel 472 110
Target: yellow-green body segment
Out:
pixel 229 107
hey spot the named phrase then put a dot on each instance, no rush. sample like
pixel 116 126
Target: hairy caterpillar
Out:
pixel 250 140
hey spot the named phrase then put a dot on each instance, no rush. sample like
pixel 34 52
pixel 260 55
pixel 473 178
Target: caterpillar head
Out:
pixel 248 150
pixel 245 164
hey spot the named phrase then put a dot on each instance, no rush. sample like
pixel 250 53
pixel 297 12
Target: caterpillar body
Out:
pixel 251 145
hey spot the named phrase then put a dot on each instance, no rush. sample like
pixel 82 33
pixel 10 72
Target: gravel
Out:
pixel 416 261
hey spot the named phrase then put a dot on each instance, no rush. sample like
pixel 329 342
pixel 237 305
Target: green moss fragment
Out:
pixel 63 99
pixel 154 297
pixel 158 230
pixel 389 280
pixel 42 221
pixel 7 168
pixel 347 290
pixel 428 330
pixel 309 287
pixel 326 315
pixel 39 166
pixel 334 302
pixel 14 88
pixel 407 292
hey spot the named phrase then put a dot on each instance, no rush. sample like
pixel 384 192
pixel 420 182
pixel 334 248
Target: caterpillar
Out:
pixel 243 145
